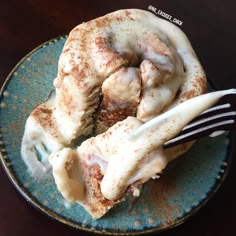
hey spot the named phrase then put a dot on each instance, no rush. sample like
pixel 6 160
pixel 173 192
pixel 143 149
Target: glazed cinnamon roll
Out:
pixel 115 73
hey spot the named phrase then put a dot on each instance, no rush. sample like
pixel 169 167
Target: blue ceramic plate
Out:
pixel 181 191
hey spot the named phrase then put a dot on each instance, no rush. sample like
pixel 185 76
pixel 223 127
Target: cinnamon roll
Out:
pixel 115 73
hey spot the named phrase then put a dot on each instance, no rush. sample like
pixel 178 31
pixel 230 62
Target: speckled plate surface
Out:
pixel 183 188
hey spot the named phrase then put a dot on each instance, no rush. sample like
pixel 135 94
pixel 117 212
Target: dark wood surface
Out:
pixel 210 25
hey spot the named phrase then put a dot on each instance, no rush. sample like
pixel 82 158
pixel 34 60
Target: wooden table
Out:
pixel 210 25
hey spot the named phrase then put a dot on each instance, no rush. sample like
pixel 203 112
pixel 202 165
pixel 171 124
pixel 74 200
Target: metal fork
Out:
pixel 212 122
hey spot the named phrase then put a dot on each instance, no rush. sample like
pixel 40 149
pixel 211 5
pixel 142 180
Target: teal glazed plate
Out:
pixel 183 188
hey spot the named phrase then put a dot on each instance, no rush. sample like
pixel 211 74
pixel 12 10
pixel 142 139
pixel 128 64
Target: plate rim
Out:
pixel 54 216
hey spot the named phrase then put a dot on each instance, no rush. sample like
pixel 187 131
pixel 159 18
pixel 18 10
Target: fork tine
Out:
pixel 214 121
pixel 217 108
pixel 210 119
pixel 226 103
pixel 211 130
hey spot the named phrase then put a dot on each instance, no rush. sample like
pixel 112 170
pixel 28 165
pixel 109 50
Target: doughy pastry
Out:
pixel 104 167
pixel 126 63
